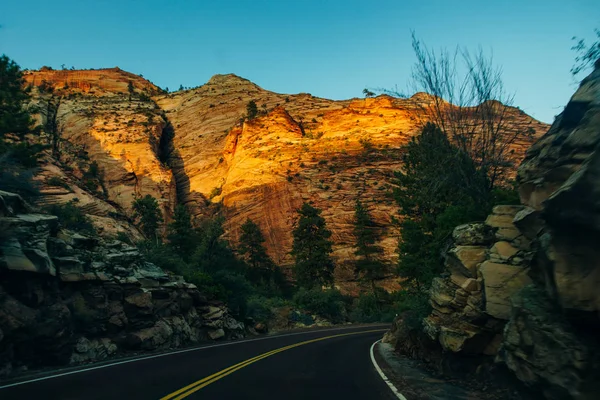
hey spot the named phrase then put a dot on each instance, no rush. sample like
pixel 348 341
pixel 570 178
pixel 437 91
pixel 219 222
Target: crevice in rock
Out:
pixel 171 158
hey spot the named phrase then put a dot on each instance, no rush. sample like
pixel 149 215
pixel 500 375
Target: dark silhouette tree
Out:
pixel 146 209
pixel 311 249
pixel 181 235
pixel 368 266
pixel 14 117
pixel 438 188
pixel 469 103
pixel 252 248
pixel 130 89
pixel 251 110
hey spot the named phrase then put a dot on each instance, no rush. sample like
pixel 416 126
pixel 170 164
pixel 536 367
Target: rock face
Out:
pixel 68 298
pixel 528 297
pixel 552 340
pixel 190 146
pixel 486 266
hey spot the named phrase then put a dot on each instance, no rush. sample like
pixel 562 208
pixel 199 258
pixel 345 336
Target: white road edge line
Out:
pixel 385 378
pixel 169 354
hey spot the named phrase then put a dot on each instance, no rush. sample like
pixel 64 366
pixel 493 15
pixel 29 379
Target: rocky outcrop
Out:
pixel 528 298
pixel 552 340
pixel 68 298
pixel 485 267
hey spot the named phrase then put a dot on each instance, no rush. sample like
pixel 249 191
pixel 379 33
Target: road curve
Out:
pixel 320 364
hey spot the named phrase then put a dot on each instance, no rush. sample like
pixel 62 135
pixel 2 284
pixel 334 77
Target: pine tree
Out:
pixel 148 212
pixel 368 266
pixel 130 89
pixel 251 247
pixel 311 249
pixel 182 236
pixel 251 110
pixel 439 187
pixel 14 118
pixel 263 272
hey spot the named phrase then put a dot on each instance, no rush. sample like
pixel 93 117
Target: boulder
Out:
pixel 548 353
pixel 500 282
pixel 474 234
pixel 504 250
pixel 465 259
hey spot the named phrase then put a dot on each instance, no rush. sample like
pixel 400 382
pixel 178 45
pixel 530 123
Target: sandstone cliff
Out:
pixel 191 146
pixel 521 290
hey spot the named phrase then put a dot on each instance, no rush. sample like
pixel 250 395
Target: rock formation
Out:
pixel 190 146
pixel 69 298
pixel 521 289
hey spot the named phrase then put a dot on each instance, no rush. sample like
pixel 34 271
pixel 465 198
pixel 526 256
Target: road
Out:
pixel 320 364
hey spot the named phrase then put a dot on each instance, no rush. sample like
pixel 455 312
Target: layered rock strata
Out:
pixel 69 298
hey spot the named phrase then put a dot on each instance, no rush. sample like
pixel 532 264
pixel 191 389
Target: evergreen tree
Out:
pixel 368 266
pixel 148 212
pixel 182 236
pixel 251 247
pixel 17 159
pixel 130 89
pixel 311 249
pixel 439 188
pixel 14 117
pixel 251 110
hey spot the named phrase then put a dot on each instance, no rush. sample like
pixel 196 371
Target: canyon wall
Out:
pixel 194 147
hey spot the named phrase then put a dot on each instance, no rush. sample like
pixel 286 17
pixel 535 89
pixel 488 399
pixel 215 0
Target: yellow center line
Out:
pixel 194 387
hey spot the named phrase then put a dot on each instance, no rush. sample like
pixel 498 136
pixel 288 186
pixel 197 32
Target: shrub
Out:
pixel 123 237
pixel 328 303
pixel 71 217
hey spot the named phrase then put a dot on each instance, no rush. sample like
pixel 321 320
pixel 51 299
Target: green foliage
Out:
pixel 71 217
pixel 263 271
pixel 329 303
pixel 17 168
pixel 251 110
pixel 14 118
pixel 217 190
pixel 146 209
pixel 17 159
pixel 384 307
pixel 204 259
pixel 180 233
pixel 311 249
pixel 145 97
pixel 130 89
pixel 368 266
pixel 123 237
pixel 261 307
pixel 438 188
pixel 56 181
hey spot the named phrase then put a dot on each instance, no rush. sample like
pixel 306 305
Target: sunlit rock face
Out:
pixel 92 117
pixel 191 146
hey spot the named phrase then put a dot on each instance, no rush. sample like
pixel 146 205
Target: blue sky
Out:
pixel 330 49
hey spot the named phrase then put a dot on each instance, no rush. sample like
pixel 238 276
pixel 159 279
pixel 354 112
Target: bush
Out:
pixel 71 217
pixel 123 237
pixel 260 308
pixel 414 305
pixel 328 304
pixel 366 308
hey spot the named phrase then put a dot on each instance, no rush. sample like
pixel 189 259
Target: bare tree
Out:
pixel 467 100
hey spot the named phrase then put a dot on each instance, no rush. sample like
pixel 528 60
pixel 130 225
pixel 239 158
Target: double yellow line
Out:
pixel 194 387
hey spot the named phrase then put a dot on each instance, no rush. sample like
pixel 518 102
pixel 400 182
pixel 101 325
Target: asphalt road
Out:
pixel 320 364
